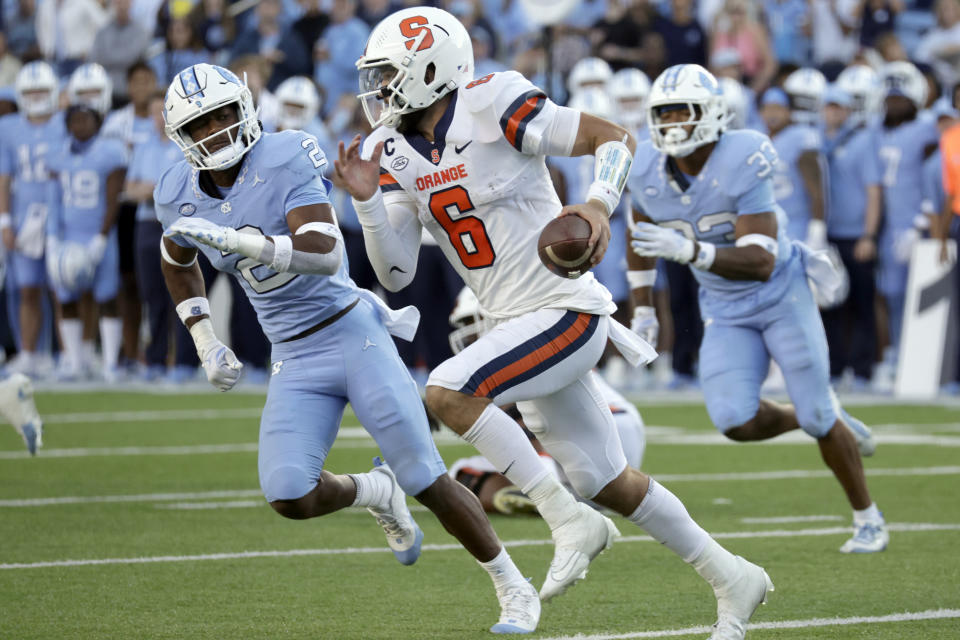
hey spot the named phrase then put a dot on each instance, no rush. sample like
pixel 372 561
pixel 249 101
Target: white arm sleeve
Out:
pixel 391 233
pixel 561 132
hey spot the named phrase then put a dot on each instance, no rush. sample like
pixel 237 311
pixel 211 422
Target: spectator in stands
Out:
pixel 373 11
pixel 257 70
pixel 9 64
pixel 684 39
pixel 834 30
pixel 338 49
pixel 941 46
pixel 789 22
pixel 949 223
pixel 66 29
pixel 889 47
pixel 736 27
pixel 279 45
pixel 625 37
pixel 116 44
pixel 21 31
pixel 876 17
pixel 216 27
pixel 310 25
pixel 183 49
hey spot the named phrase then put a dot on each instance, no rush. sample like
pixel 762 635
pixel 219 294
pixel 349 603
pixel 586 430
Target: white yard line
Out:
pixel 172 415
pixel 930 614
pixel 790 519
pixel 795 474
pixel 902 527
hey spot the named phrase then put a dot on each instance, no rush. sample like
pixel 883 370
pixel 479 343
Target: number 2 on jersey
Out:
pixel 467 233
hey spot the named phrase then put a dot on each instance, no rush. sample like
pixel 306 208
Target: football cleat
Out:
pixel 866 443
pixel 578 541
pixel 510 500
pixel 737 601
pixel 403 534
pixel 519 609
pixel 18 408
pixel 868 537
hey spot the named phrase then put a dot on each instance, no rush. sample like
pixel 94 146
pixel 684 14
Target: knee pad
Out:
pixel 287 483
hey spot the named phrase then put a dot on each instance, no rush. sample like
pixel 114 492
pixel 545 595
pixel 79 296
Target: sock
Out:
pixel 111 331
pixel 663 516
pixel 555 504
pixel 870 514
pixel 71 331
pixel 373 489
pixel 88 352
pixel 502 570
pixel 501 441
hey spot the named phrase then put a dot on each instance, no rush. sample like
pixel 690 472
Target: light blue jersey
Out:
pixel 746 322
pixel 25 151
pixel 282 172
pixel 788 186
pixel 853 167
pixel 901 154
pixel 81 170
pixel 933 193
pixel 149 160
pixel 736 180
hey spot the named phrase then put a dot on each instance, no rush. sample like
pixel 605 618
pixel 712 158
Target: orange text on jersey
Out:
pixel 438 178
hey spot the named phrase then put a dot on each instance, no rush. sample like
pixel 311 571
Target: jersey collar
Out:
pixel 433 151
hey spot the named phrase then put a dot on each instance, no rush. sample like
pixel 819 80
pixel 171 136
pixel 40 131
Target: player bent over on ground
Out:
pixel 706 199
pixel 465 159
pixel 331 340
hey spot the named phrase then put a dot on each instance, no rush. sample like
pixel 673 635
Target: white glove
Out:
pixel 96 248
pixel 645 324
pixel 816 234
pixel 218 361
pixel 204 232
pixel 652 241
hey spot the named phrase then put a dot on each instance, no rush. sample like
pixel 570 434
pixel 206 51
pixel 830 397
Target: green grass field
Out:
pixel 159 494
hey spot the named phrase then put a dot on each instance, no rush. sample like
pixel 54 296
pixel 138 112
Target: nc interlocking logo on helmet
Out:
pixel 201 89
pixel 413 58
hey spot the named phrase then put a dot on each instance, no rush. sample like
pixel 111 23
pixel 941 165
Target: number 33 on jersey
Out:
pixel 482 190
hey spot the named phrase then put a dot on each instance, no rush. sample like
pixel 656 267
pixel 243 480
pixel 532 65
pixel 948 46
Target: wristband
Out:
pixel 283 253
pixel 192 308
pixel 706 253
pixel 6 221
pixel 641 278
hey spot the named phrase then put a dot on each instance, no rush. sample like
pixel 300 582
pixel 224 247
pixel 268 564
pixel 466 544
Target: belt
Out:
pixel 325 323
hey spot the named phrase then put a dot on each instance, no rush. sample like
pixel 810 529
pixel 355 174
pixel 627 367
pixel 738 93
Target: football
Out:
pixel 563 246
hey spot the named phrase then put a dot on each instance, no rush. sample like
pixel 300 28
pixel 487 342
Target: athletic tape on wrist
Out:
pixel 706 253
pixel 192 308
pixel 283 253
pixel 641 278
pixel 610 171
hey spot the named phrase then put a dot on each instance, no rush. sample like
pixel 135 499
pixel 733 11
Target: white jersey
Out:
pixel 483 192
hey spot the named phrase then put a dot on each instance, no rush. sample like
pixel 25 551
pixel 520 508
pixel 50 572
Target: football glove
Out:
pixel 218 361
pixel 816 234
pixel 645 324
pixel 204 232
pixel 653 241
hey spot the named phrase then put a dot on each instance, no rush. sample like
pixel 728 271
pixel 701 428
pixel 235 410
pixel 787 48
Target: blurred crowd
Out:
pixel 855 95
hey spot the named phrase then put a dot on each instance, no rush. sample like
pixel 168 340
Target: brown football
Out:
pixel 563 246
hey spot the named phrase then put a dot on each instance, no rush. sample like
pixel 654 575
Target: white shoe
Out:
pixel 519 609
pixel 577 542
pixel 737 601
pixel 869 537
pixel 18 408
pixel 403 534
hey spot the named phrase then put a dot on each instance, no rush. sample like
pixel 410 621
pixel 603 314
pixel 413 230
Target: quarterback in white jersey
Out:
pixel 464 157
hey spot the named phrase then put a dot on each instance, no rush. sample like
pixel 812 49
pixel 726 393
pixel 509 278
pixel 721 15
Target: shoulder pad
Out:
pixel 293 150
pixel 645 157
pixel 748 156
pixel 377 135
pixel 172 183
pixel 499 89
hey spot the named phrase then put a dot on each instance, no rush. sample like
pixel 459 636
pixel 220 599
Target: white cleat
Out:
pixel 403 534
pixel 737 601
pixel 18 408
pixel 577 542
pixel 869 537
pixel 519 609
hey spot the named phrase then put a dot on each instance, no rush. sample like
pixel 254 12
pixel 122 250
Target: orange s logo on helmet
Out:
pixel 412 27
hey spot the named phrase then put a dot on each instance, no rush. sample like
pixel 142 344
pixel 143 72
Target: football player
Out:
pixel 26 140
pixel 798 176
pixel 464 158
pixel 705 198
pixel 275 232
pixel 82 253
